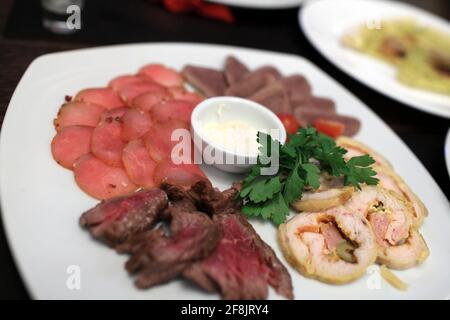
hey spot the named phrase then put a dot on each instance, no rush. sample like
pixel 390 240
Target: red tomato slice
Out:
pixel 290 123
pixel 331 128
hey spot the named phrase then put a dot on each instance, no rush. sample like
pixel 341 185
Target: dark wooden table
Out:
pixel 22 39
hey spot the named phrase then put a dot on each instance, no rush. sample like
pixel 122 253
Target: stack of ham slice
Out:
pixel 266 85
pixel 117 139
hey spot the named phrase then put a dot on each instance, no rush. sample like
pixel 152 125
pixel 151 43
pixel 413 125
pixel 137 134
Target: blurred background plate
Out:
pixel 325 21
pixel 261 4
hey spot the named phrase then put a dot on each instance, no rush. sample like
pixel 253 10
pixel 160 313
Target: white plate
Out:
pixel 41 202
pixel 261 4
pixel 447 151
pixel 325 21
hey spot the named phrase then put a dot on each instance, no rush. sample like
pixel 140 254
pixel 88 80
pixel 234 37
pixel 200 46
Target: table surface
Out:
pixel 22 39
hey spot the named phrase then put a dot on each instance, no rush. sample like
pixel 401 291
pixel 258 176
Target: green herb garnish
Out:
pixel 300 164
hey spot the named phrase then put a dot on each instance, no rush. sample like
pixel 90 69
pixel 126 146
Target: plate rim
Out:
pixel 6 221
pixel 407 100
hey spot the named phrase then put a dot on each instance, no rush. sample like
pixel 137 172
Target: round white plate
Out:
pixel 325 21
pixel 41 203
pixel 261 4
pixel 447 151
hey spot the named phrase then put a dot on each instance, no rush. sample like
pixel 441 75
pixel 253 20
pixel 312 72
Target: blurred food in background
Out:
pixel 420 53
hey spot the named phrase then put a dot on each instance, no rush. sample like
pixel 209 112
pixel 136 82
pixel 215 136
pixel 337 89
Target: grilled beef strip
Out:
pixel 117 220
pixel 242 266
pixel 160 255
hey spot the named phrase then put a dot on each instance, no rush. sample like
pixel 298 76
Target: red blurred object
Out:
pixel 290 123
pixel 331 128
pixel 209 10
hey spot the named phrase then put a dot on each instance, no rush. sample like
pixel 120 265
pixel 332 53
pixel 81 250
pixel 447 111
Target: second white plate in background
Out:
pixel 325 21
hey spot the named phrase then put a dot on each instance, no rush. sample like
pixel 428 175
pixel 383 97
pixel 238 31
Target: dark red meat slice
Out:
pixel 209 81
pixel 234 70
pixel 297 86
pixel 274 96
pixel 70 143
pixel 253 82
pixel 242 265
pixel 99 180
pixel 117 220
pixel 78 114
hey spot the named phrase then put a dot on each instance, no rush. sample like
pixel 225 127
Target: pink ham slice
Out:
pixel 172 110
pixel 78 113
pixel 105 97
pixel 107 143
pixel 70 143
pixel 179 93
pixel 331 235
pixel 99 180
pixel 135 123
pixel 147 100
pixel 116 114
pixel 132 90
pixel 121 81
pixel 162 75
pixel 138 164
pixel 158 139
pixel 181 174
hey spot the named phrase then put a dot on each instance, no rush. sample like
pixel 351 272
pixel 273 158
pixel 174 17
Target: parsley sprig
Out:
pixel 301 162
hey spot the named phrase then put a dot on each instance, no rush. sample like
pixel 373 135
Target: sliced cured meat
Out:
pixel 172 110
pixel 134 89
pixel 78 114
pixel 209 81
pixel 274 96
pixel 297 87
pixel 179 93
pixel 147 100
pixel 107 143
pixel 70 143
pixel 242 266
pixel 335 246
pixel 138 164
pixel 119 82
pixel 115 114
pixel 158 140
pixel 105 97
pixel 252 82
pixel 162 75
pixel 119 219
pixel 179 174
pixel 99 180
pixel 317 104
pixel 135 123
pixel 234 70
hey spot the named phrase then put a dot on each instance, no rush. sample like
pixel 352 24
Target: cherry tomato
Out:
pixel 290 123
pixel 329 127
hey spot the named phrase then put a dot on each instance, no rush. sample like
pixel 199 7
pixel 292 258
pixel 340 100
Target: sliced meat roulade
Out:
pixel 334 246
pixel 400 245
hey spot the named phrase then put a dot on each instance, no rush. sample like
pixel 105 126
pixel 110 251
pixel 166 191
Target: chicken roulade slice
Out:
pixel 355 148
pixel 400 246
pixel 331 193
pixel 335 246
pixel 390 180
